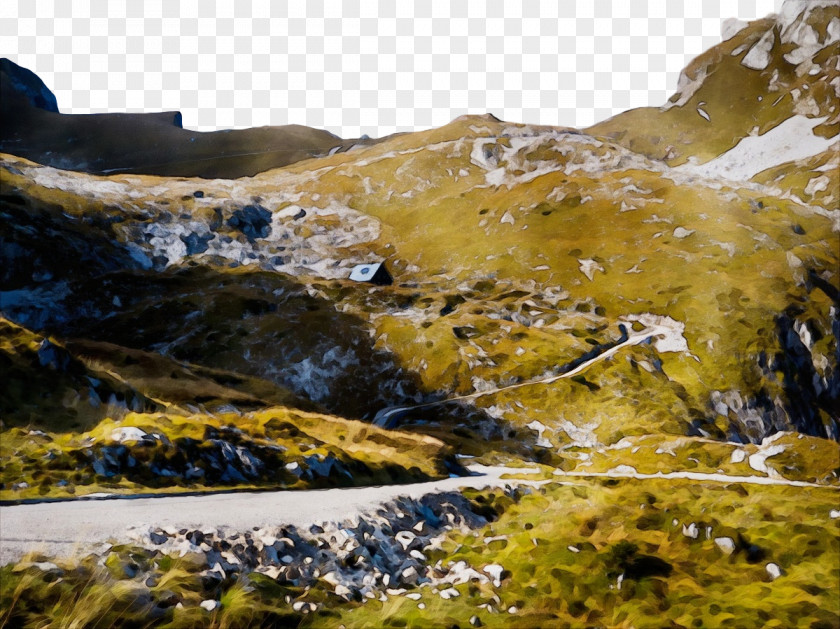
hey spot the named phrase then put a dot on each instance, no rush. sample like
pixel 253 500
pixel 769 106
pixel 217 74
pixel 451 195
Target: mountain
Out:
pixel 765 76
pixel 645 312
pixel 31 126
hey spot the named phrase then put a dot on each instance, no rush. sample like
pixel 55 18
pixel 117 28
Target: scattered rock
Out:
pixel 726 544
pixel 252 220
pixel 691 530
pixel 449 593
pixel 304 607
pixel 128 434
pixel 773 570
pixel 495 571
pixel 209 605
pixel 157 538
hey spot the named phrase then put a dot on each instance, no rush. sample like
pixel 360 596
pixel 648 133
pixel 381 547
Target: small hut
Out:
pixel 373 273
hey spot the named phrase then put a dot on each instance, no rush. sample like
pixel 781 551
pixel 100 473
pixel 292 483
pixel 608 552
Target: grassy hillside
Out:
pixel 644 312
pixel 769 71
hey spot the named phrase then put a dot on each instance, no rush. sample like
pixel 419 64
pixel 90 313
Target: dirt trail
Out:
pixel 386 417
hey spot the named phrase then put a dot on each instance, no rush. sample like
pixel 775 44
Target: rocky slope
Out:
pixel 656 295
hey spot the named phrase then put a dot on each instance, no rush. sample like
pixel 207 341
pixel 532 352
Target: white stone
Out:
pixel 127 433
pixel 726 544
pixel 758 57
pixel 738 455
pixel 405 538
pixel 342 590
pixel 834 514
pixel 625 470
pixel 449 593
pixel 682 232
pixel 773 570
pixel 495 571
pixel 209 605
pixel 757 461
pixel 690 530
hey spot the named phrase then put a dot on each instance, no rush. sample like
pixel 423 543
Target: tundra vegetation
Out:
pixel 642 316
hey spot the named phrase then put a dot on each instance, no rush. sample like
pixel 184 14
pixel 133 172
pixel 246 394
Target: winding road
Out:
pixel 387 417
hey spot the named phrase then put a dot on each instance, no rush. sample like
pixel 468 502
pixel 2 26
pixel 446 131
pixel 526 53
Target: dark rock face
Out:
pixel 253 220
pixel 810 398
pixel 197 243
pixel 19 81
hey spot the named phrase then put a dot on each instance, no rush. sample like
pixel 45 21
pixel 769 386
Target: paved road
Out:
pixel 62 529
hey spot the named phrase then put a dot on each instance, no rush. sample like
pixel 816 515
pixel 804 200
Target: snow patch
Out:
pixel 791 140
pixel 581 436
pixel 817 184
pixel 540 428
pixel 758 460
pixel 667 332
pixel 758 58
pixel 589 266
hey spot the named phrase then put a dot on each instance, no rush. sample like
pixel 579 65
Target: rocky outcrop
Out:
pixel 18 83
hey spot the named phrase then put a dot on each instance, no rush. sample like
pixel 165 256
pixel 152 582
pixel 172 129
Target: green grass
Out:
pixel 554 586
pixel 60 465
